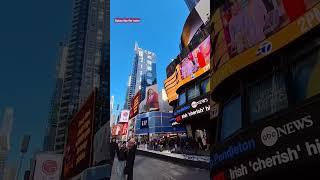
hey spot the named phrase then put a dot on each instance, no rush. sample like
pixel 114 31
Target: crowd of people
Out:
pixel 126 152
pixel 182 145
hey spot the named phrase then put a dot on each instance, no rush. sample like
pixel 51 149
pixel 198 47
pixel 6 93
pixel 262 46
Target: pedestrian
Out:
pixel 113 149
pixel 132 148
pixel 122 157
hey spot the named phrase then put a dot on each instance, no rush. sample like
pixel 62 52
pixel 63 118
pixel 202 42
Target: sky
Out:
pixel 159 31
pixel 29 35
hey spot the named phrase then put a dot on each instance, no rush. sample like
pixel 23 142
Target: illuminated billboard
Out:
pixel 80 136
pixel 197 59
pixel 151 101
pixel 247 23
pixel 284 21
pixel 135 104
pixel 194 65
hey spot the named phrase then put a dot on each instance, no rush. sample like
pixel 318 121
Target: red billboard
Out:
pixel 124 129
pixel 79 143
pixel 135 105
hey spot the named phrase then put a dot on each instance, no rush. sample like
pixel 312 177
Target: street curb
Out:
pixel 197 164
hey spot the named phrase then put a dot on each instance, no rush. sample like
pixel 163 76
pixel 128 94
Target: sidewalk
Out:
pixel 183 159
pixel 179 156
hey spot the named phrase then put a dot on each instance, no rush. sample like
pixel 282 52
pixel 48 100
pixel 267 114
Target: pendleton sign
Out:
pixel 198 106
pixel 243 54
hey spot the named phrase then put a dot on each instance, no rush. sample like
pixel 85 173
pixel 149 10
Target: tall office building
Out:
pixel 5 133
pixel 87 64
pixel 55 101
pixel 143 74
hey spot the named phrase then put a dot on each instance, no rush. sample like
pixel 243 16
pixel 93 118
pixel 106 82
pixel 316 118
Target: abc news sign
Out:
pixel 197 107
pixel 290 139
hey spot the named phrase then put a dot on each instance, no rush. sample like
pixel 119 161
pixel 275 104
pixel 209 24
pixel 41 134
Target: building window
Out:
pixel 231 118
pixel 149 81
pixel 149 68
pixel 182 98
pixel 306 77
pixel 193 92
pixel 149 74
pixel 267 97
pixel 149 62
pixel 205 86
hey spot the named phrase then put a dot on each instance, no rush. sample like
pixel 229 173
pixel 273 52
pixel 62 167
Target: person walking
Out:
pixel 122 157
pixel 132 148
pixel 113 149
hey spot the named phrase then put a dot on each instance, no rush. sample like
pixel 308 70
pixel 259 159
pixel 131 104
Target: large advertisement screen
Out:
pixel 135 105
pixel 197 59
pixel 248 22
pixel 80 136
pixel 131 128
pixel 151 101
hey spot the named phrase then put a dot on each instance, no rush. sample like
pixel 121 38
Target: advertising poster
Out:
pixel 101 144
pixel 247 22
pixel 131 128
pixel 124 117
pixel 151 101
pixel 124 129
pixel 114 130
pixel 48 166
pixel 80 136
pixel 197 59
pixel 135 105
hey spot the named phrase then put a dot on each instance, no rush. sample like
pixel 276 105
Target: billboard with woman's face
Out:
pixel 152 98
pixel 197 59
pixel 151 101
pixel 248 22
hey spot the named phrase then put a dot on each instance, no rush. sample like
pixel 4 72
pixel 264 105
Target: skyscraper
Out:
pixel 5 133
pixel 55 101
pixel 143 73
pixel 87 64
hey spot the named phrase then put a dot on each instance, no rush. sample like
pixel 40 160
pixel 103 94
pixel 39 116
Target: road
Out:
pixel 146 168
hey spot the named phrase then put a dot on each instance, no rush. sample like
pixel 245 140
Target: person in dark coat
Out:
pixel 122 158
pixel 113 149
pixel 132 148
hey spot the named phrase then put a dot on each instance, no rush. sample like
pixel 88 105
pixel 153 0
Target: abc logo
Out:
pixel 194 104
pixel 265 48
pixel 269 136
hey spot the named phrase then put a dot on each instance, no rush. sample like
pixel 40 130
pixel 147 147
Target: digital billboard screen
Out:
pixel 135 104
pixel 80 136
pixel 151 101
pixel 197 59
pixel 246 23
